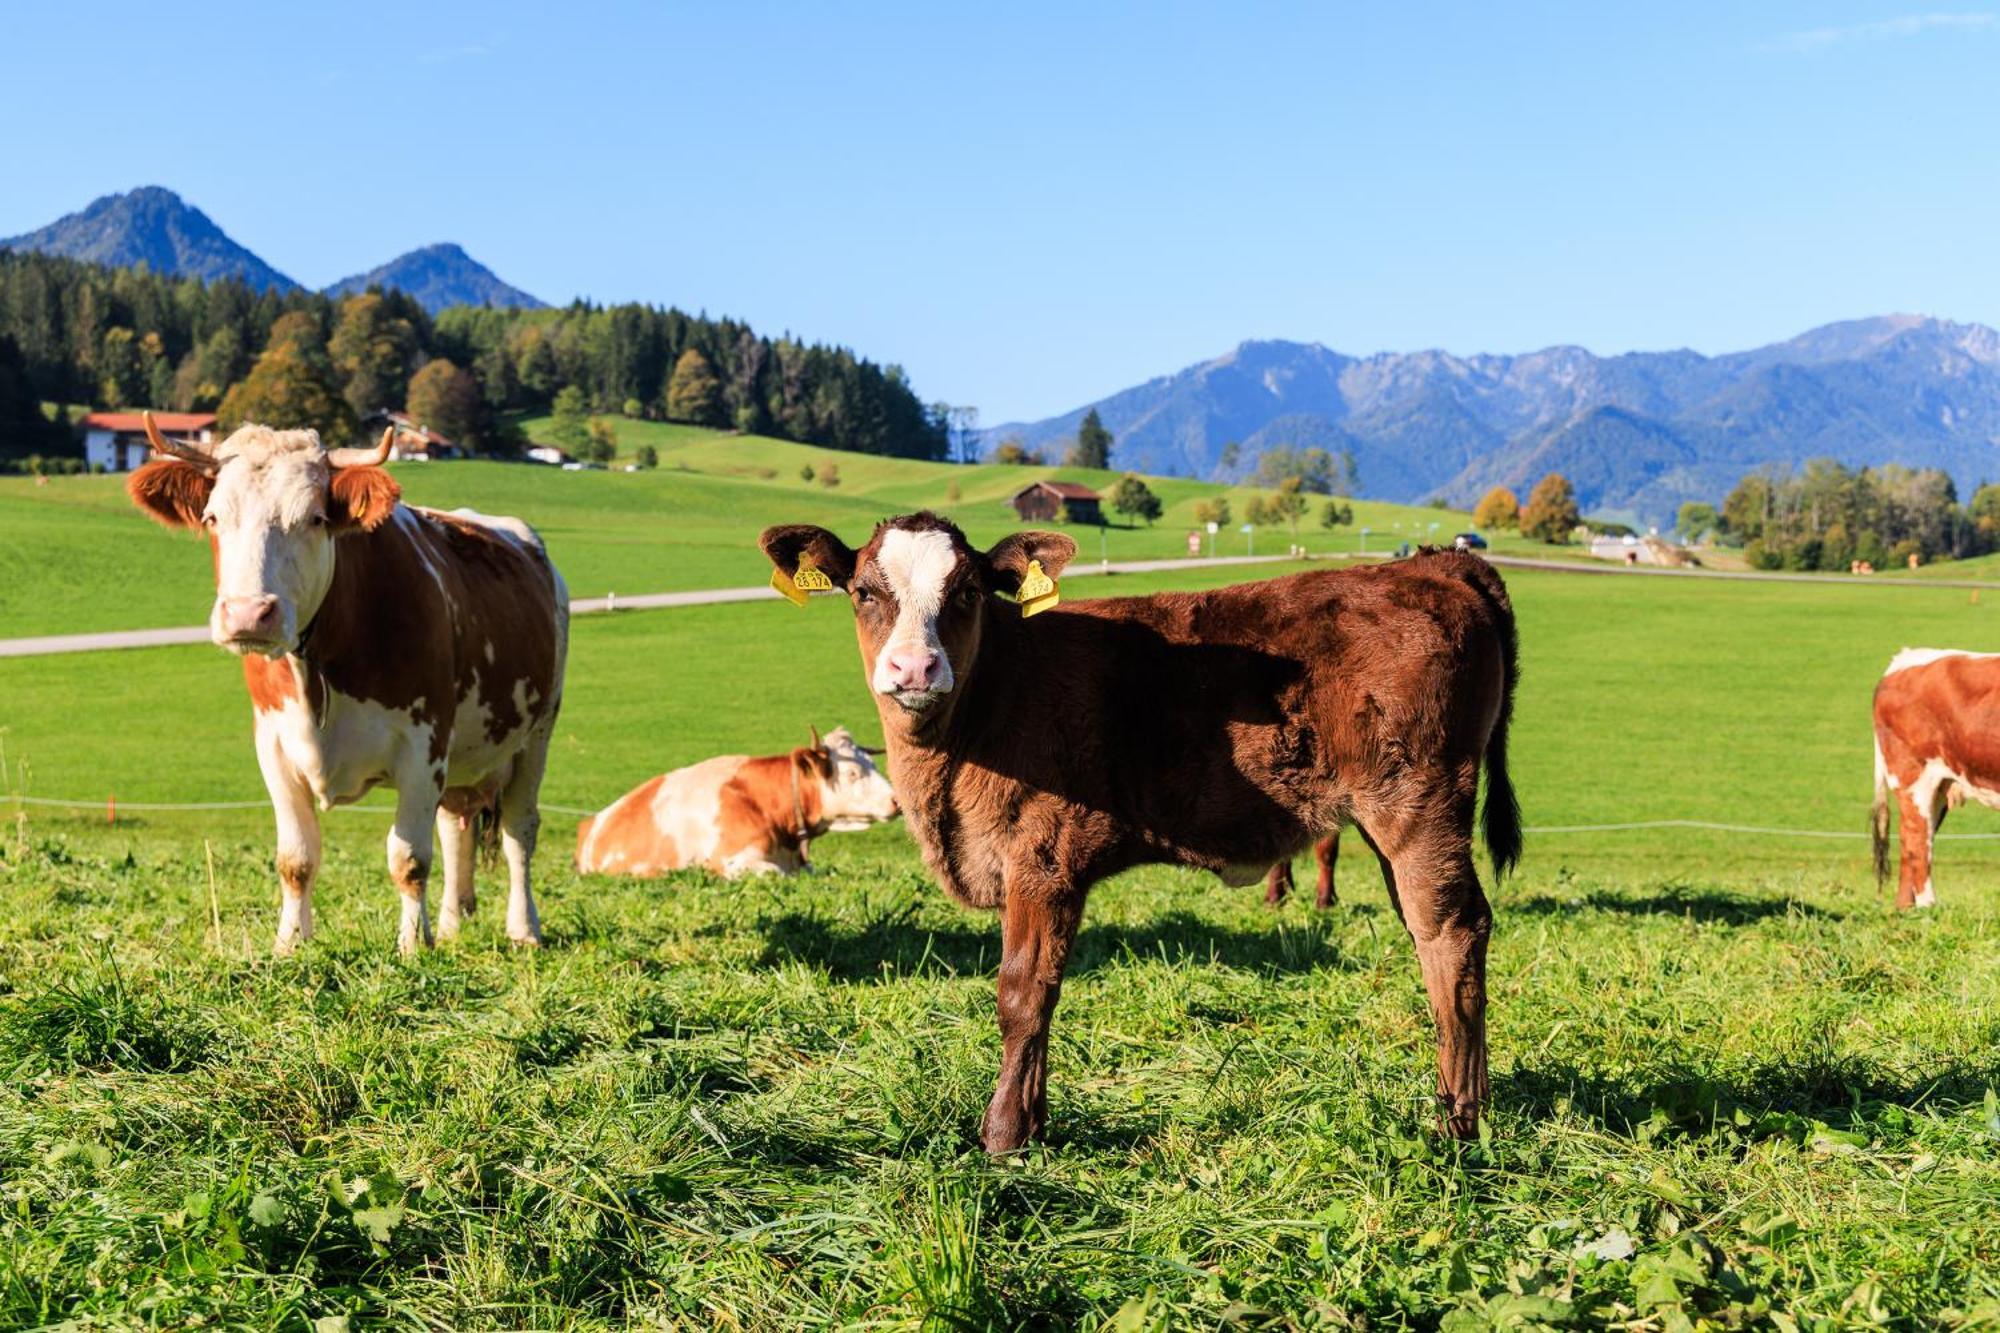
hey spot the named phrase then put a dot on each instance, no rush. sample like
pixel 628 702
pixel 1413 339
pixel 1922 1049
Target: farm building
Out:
pixel 1046 499
pixel 413 439
pixel 116 441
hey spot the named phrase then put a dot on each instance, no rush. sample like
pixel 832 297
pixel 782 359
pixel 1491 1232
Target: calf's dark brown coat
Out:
pixel 1224 730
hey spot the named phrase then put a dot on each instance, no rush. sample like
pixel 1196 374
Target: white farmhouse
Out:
pixel 116 441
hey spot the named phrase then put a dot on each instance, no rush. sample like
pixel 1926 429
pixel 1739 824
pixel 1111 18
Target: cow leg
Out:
pixel 410 861
pixel 1278 883
pixel 298 859
pixel 520 824
pixel 456 841
pixel 1445 910
pixel 1035 938
pixel 1325 852
pixel 1917 806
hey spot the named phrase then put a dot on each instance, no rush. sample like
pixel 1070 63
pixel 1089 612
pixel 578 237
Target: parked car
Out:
pixel 1469 541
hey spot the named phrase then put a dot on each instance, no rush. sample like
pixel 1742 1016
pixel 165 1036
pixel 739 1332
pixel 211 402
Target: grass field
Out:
pixel 1731 1089
pixel 76 556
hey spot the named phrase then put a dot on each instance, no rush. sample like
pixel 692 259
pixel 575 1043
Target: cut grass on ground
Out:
pixel 1730 1087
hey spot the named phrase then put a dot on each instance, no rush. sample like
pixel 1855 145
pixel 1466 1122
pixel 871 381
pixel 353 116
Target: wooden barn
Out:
pixel 1042 501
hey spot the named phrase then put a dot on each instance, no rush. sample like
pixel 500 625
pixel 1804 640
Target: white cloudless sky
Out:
pixel 1031 206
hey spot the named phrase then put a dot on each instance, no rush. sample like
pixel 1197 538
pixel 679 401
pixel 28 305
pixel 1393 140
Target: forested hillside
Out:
pixel 77 333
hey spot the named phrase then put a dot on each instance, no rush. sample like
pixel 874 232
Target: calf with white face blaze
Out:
pixel 382 644
pixel 1224 730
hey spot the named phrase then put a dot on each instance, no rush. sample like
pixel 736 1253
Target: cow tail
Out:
pixel 1501 819
pixel 1878 821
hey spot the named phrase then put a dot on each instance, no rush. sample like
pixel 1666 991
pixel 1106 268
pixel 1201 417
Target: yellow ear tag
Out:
pixel 794 587
pixel 1038 591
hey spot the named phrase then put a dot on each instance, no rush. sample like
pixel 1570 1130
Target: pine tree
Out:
pixel 1093 443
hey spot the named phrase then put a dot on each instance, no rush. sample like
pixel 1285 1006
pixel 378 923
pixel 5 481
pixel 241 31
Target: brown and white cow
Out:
pixel 383 645
pixel 736 815
pixel 1223 730
pixel 1937 741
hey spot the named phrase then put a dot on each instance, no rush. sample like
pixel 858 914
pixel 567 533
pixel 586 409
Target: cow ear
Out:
pixel 171 492
pixel 1009 559
pixel 828 553
pixel 361 498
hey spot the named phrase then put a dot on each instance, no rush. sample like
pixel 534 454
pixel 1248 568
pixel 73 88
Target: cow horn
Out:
pixel 340 458
pixel 187 453
pixel 871 749
pixel 817 743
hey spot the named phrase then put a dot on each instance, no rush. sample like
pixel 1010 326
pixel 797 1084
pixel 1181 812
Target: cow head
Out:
pixel 921 598
pixel 274 503
pixel 853 793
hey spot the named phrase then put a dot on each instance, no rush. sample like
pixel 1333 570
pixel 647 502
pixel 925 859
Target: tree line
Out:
pixel 1827 516
pixel 72 332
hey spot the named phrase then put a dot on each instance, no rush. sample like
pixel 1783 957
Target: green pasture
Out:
pixel 1731 1088
pixel 75 556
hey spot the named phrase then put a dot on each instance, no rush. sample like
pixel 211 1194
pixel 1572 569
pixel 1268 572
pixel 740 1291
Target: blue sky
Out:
pixel 1031 206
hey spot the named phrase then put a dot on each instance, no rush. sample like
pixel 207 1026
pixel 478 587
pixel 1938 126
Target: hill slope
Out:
pixel 1638 433
pixel 67 549
pixel 155 227
pixel 439 276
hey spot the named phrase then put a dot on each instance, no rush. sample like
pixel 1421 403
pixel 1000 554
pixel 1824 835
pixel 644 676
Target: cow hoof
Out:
pixel 285 948
pixel 525 941
pixel 1462 1123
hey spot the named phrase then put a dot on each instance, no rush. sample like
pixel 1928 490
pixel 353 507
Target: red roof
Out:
pixel 130 422
pixel 1068 490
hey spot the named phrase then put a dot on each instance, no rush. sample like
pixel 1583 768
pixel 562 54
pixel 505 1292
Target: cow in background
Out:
pixel 737 815
pixel 1221 730
pixel 1279 882
pixel 382 644
pixel 1937 741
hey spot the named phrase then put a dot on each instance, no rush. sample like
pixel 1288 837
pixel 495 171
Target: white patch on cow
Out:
pixel 916 565
pixel 1916 657
pixel 262 515
pixel 506 525
pixel 407 519
pixel 1927 898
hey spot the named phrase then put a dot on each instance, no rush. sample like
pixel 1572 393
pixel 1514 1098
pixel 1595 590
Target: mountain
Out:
pixel 1638 434
pixel 439 276
pixel 155 227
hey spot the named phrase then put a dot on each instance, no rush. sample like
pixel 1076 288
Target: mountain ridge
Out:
pixel 154 226
pixel 1638 432
pixel 439 276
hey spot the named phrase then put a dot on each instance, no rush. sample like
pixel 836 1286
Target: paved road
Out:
pixel 582 606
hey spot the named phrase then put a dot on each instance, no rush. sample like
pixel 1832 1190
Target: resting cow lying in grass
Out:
pixel 1224 730
pixel 737 815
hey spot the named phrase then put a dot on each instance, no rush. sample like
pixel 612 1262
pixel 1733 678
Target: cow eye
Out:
pixel 863 597
pixel 968 594
pixel 319 520
pixel 208 520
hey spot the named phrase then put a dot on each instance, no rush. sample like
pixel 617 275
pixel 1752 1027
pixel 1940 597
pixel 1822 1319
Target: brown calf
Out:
pixel 1223 730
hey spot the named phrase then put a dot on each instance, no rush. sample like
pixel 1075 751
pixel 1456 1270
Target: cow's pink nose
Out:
pixel 914 671
pixel 249 617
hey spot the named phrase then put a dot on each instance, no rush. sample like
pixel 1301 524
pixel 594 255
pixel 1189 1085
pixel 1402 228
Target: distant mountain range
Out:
pixel 156 227
pixel 438 276
pixel 1637 434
